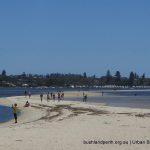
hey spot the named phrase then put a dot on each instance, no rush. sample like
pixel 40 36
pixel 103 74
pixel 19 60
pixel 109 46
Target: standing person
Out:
pixel 83 93
pixel 29 94
pixel 48 98
pixel 14 108
pixel 41 96
pixel 25 94
pixel 102 93
pixel 51 95
pixel 62 95
pixel 85 97
pixel 58 96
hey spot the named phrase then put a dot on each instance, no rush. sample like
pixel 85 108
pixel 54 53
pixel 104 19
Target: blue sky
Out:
pixel 44 36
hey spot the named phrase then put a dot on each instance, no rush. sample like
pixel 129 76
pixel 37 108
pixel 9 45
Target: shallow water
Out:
pixel 5 114
pixel 119 101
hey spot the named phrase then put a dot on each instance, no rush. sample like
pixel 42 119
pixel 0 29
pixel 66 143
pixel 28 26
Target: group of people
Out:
pixel 27 94
pixel 52 96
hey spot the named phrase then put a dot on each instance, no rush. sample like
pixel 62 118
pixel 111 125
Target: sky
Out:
pixel 75 36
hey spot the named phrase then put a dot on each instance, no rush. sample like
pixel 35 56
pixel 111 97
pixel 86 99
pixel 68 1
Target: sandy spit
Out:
pixel 70 125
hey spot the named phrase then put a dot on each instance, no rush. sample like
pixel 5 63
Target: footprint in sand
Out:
pixel 19 140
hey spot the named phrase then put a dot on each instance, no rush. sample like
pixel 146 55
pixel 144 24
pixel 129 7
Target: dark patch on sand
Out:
pixel 19 140
pixel 75 111
pixel 143 115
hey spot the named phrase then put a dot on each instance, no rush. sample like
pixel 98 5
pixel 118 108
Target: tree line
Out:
pixel 58 79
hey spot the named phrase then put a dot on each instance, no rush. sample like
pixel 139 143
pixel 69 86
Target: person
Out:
pixel 48 97
pixel 25 93
pixel 51 95
pixel 85 98
pixel 58 96
pixel 102 93
pixel 27 104
pixel 62 95
pixel 14 108
pixel 29 94
pixel 41 96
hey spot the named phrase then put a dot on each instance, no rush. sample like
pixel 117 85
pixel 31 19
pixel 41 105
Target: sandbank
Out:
pixel 72 125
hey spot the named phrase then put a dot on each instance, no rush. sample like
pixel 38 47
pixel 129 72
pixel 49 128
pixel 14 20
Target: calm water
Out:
pixel 117 101
pixel 131 98
pixel 5 114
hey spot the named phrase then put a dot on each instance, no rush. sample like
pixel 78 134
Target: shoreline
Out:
pixel 15 99
pixel 70 124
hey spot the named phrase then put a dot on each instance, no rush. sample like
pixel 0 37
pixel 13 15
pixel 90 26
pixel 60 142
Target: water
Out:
pixel 117 98
pixel 5 114
pixel 130 93
pixel 122 98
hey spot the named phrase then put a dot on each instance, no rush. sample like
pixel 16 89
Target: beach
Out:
pixel 72 125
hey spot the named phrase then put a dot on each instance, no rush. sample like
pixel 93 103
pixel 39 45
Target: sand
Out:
pixel 70 125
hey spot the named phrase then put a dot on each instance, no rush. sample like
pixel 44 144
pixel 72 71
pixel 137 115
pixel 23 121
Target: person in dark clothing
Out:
pixel 41 96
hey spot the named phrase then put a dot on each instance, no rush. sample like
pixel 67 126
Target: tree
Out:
pixel 142 79
pixel 131 79
pixel 118 77
pixel 108 74
pixel 84 75
pixel 136 76
pixel 108 77
pixel 3 73
pixel 23 74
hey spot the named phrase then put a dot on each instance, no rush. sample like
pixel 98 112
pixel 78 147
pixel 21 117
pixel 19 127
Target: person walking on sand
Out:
pixel 41 96
pixel 14 108
pixel 29 94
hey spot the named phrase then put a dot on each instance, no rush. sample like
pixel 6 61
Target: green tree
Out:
pixel 131 79
pixel 84 75
pixel 118 77
pixel 4 73
pixel 108 77
pixel 142 80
